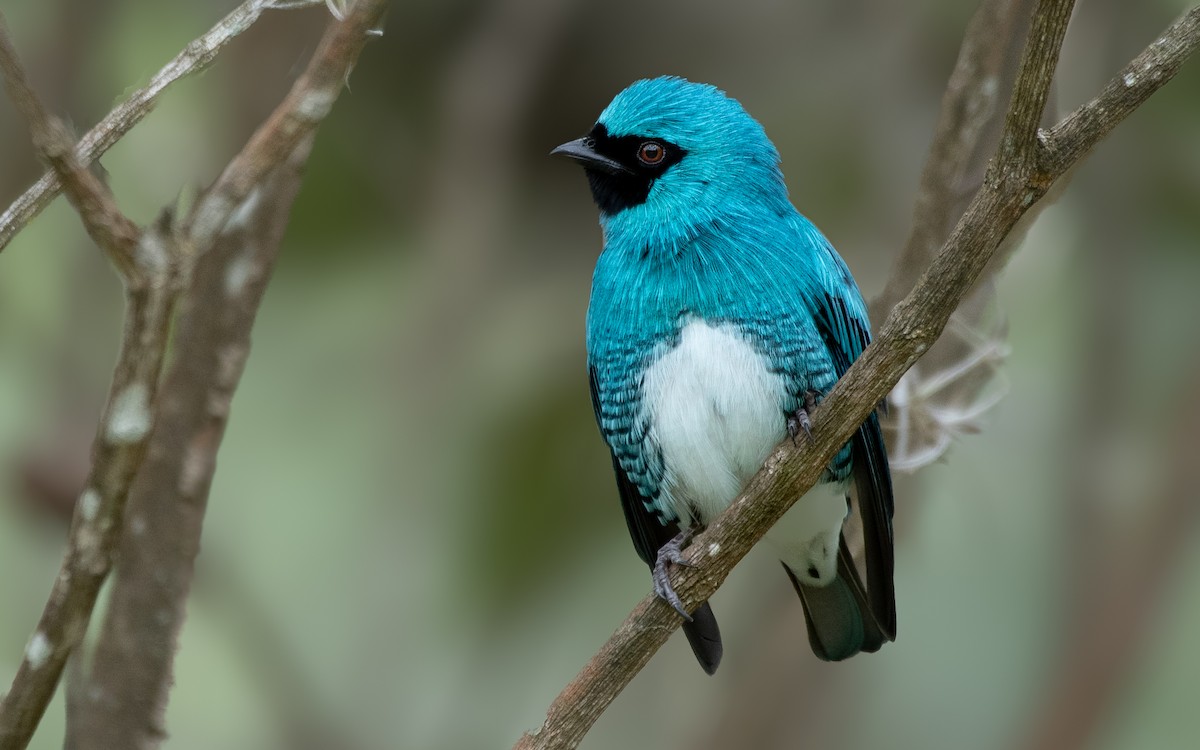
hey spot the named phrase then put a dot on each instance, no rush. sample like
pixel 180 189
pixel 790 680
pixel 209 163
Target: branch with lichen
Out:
pixel 1028 162
pixel 194 257
pixel 242 216
pixel 147 267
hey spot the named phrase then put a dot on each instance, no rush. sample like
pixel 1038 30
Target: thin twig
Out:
pixel 197 56
pixel 94 202
pixel 1013 184
pixel 1070 140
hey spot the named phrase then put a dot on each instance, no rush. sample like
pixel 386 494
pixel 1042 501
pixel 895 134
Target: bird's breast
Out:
pixel 714 406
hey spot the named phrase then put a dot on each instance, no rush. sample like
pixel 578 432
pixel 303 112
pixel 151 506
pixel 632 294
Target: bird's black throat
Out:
pixel 614 193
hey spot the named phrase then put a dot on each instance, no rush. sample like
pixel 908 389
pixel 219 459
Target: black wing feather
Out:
pixel 649 534
pixel 644 527
pixel 846 336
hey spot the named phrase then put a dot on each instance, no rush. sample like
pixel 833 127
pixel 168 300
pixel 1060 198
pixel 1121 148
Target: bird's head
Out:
pixel 666 149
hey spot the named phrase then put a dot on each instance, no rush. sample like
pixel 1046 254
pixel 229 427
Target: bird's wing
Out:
pixel 649 533
pixel 842 321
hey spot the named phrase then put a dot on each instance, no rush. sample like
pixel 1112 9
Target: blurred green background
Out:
pixel 414 538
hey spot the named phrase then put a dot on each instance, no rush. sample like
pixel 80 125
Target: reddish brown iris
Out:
pixel 651 153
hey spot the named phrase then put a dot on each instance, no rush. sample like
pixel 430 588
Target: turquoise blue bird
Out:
pixel 719 316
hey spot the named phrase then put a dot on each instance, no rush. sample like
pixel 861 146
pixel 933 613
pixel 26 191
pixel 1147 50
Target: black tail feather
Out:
pixel 705 638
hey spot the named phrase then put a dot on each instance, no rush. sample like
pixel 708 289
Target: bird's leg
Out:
pixel 671 552
pixel 799 420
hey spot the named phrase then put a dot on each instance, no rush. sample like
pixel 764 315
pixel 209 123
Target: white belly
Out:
pixel 715 411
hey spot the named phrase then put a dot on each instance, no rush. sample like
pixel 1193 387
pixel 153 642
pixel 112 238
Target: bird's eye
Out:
pixel 651 153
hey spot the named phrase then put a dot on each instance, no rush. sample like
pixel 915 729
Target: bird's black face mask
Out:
pixel 621 169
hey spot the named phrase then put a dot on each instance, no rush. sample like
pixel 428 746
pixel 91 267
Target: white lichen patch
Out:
pixel 38 652
pixel 239 271
pixel 243 216
pixel 337 9
pixel 713 549
pixel 152 252
pixel 1129 79
pixel 89 504
pixel 129 420
pixel 315 104
pixel 197 465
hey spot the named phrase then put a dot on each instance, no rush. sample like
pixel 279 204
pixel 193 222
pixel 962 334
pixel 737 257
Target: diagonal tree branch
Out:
pixel 1019 175
pixel 197 56
pixel 936 396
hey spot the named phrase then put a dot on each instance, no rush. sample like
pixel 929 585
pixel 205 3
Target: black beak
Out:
pixel 583 151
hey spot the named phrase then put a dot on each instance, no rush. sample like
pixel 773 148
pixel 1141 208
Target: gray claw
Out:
pixel 800 420
pixel 671 552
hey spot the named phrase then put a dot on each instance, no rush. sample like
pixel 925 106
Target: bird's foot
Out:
pixel 799 420
pixel 671 552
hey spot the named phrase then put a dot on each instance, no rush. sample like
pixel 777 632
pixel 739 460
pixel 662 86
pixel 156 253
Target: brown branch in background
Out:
pixel 1019 175
pixel 224 289
pixel 117 452
pixel 304 108
pixel 197 56
pixel 475 168
pixel 958 380
pixel 147 267
pixel 123 698
pixel 980 83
